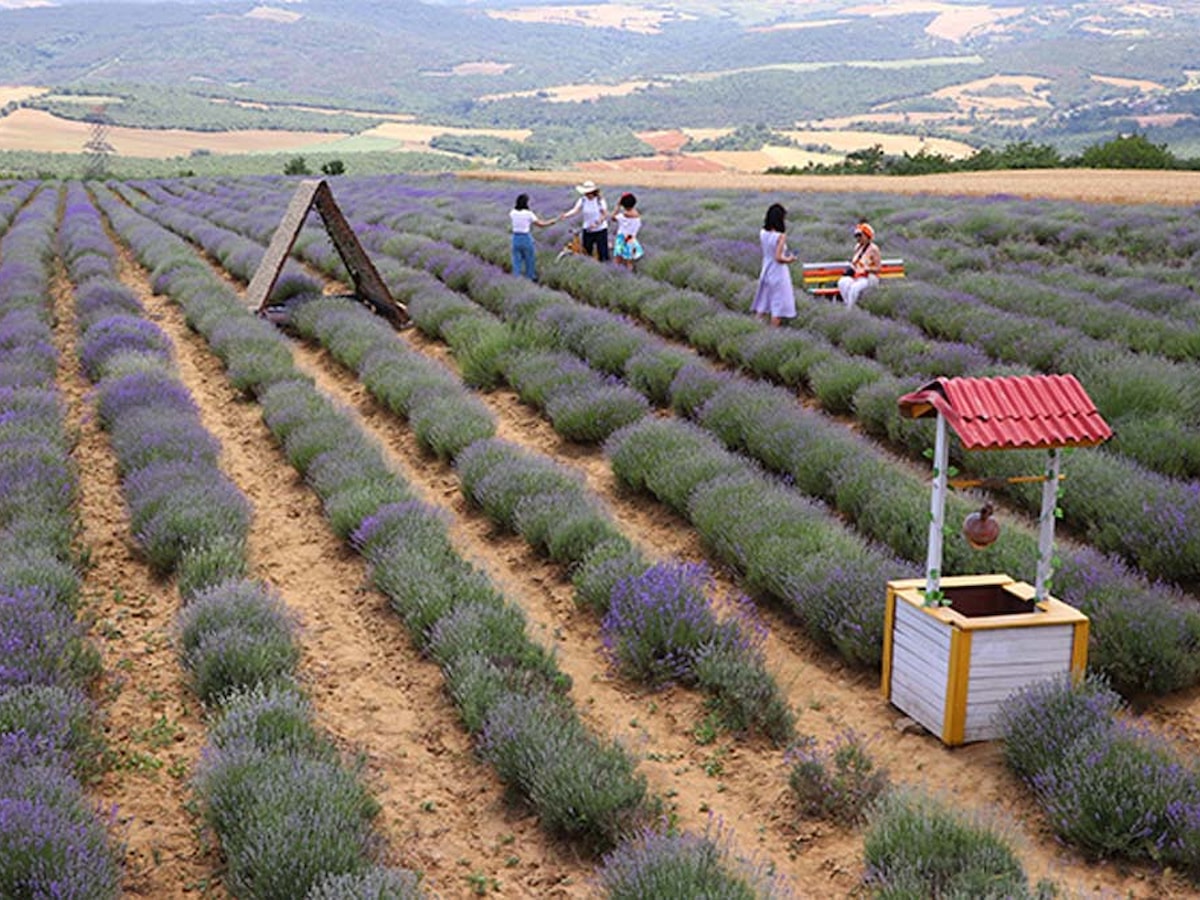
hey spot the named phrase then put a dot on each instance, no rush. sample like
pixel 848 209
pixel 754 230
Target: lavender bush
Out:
pixel 600 570
pixel 57 719
pixel 586 789
pixel 667 459
pixel 592 413
pixel 375 883
pixel 1107 784
pixel 916 846
pixel 52 844
pixel 273 718
pixel 663 865
pixel 176 507
pixel 446 424
pixel 234 636
pixel 285 820
pixel 840 781
pixel 498 476
pixel 563 526
pixel 660 628
pixel 118 335
pixel 41 643
pixel 659 623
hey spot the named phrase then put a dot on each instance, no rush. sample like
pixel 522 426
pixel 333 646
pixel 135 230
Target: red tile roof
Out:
pixel 1027 412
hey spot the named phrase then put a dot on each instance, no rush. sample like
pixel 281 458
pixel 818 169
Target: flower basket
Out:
pixel 949 667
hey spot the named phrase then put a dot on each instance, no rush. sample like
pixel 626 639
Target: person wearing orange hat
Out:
pixel 863 272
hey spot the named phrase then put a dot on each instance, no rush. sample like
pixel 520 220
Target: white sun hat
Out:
pixel 587 187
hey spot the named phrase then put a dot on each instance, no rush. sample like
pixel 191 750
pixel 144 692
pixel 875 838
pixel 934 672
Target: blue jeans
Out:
pixel 524 261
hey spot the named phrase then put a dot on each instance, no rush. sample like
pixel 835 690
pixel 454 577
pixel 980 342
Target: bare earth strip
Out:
pixel 153 723
pixel 444 811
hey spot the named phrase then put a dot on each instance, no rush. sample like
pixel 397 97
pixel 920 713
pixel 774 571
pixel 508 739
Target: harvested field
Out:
pixel 1092 186
pixel 33 129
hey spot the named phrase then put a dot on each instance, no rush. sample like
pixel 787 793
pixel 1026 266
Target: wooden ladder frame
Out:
pixel 368 286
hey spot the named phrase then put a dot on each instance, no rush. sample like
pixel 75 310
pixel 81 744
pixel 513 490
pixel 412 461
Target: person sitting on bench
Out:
pixel 863 272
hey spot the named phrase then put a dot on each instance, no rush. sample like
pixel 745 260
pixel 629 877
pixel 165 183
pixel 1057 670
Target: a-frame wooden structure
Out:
pixel 368 286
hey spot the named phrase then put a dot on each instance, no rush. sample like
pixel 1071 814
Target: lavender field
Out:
pixel 576 588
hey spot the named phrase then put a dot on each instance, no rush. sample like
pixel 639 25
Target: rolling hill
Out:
pixel 579 81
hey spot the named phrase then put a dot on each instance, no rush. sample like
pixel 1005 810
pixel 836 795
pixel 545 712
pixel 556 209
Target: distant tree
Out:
pixel 921 163
pixel 1019 155
pixel 334 167
pixel 296 166
pixel 1132 151
pixel 867 161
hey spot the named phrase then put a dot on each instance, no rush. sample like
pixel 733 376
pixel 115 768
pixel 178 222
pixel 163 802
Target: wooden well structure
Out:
pixel 955 647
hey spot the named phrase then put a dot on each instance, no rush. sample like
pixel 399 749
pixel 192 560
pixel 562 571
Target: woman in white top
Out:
pixel 595 220
pixel 626 247
pixel 524 260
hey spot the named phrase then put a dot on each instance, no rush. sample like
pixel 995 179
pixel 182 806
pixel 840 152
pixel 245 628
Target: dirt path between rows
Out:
pixel 443 811
pixel 154 725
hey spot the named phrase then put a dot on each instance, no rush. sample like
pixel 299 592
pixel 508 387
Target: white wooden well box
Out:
pixel 956 647
pixel 949 667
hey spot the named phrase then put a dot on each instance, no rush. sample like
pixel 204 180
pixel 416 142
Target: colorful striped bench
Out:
pixel 820 279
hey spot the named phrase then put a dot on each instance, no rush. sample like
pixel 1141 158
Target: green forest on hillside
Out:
pixel 179 65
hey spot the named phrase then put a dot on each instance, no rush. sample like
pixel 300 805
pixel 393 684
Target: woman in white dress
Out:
pixel 775 297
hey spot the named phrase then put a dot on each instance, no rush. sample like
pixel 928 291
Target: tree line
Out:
pixel 1132 151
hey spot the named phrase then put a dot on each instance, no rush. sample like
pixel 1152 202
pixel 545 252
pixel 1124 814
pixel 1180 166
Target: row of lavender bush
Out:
pixel 658 624
pixel 853 379
pixel 53 840
pixel 921 862
pixel 478 642
pixel 556 514
pixel 882 499
pixel 1154 656
pixel 292 818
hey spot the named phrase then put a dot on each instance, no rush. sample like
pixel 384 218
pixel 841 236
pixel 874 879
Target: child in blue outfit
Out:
pixel 626 247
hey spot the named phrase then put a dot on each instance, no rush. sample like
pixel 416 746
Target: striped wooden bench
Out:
pixel 820 279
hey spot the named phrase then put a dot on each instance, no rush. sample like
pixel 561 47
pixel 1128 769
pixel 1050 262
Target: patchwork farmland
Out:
pixel 573 582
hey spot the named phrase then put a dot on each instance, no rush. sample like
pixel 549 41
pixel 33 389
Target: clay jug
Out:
pixel 980 528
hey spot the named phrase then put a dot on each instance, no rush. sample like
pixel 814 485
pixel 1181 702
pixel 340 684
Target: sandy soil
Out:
pixel 444 813
pixel 1092 185
pixel 35 129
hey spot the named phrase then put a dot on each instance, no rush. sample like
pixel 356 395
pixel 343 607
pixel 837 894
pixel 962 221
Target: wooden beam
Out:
pixel 368 286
